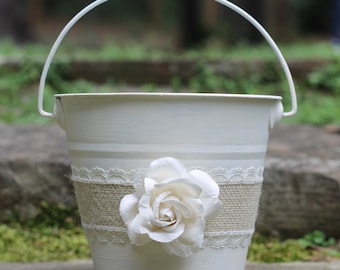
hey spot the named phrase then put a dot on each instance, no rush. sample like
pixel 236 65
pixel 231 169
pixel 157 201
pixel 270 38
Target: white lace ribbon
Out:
pixel 222 176
pixel 100 191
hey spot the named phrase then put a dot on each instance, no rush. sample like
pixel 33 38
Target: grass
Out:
pixel 274 250
pixel 318 94
pixel 18 102
pixel 317 109
pixel 22 243
pixel 294 51
pixel 20 107
pixel 55 234
pixel 133 51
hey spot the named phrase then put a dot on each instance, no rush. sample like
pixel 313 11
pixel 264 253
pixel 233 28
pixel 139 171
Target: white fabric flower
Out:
pixel 170 206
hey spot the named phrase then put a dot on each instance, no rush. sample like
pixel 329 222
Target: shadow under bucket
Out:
pixel 164 180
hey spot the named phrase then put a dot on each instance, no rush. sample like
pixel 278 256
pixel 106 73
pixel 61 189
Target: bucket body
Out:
pixel 167 181
pixel 113 138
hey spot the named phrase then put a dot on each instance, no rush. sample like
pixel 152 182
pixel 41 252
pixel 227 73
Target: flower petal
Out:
pixel 180 249
pixel 149 184
pixel 190 241
pixel 180 187
pixel 140 225
pixel 138 231
pixel 210 192
pixel 211 207
pixel 193 234
pixel 166 213
pixel 128 208
pixel 165 168
pixel 195 206
pixel 206 183
pixel 144 204
pixel 181 207
pixel 166 236
pixel 156 220
pixel 139 239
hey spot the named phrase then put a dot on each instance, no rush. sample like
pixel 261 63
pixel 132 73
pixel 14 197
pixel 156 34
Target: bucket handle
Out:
pixel 226 3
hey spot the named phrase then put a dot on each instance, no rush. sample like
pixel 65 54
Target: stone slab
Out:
pixel 301 191
pixel 34 166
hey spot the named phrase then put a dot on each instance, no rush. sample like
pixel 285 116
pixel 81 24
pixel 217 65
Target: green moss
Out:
pixel 272 250
pixel 313 246
pixel 136 51
pixel 19 243
pixel 55 235
pixel 317 95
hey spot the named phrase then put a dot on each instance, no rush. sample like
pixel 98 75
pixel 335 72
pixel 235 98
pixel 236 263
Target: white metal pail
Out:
pixel 164 180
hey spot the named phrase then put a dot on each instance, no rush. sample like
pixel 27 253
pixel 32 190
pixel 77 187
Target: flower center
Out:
pixel 167 214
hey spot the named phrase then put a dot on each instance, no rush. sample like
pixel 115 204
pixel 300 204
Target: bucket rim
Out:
pixel 160 94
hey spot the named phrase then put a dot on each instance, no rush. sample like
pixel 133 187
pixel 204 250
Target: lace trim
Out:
pixel 232 239
pixel 222 176
pixel 101 176
pixel 239 193
pixel 250 175
pixel 216 240
pixel 105 234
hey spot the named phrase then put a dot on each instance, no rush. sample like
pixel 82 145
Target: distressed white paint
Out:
pixel 129 130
